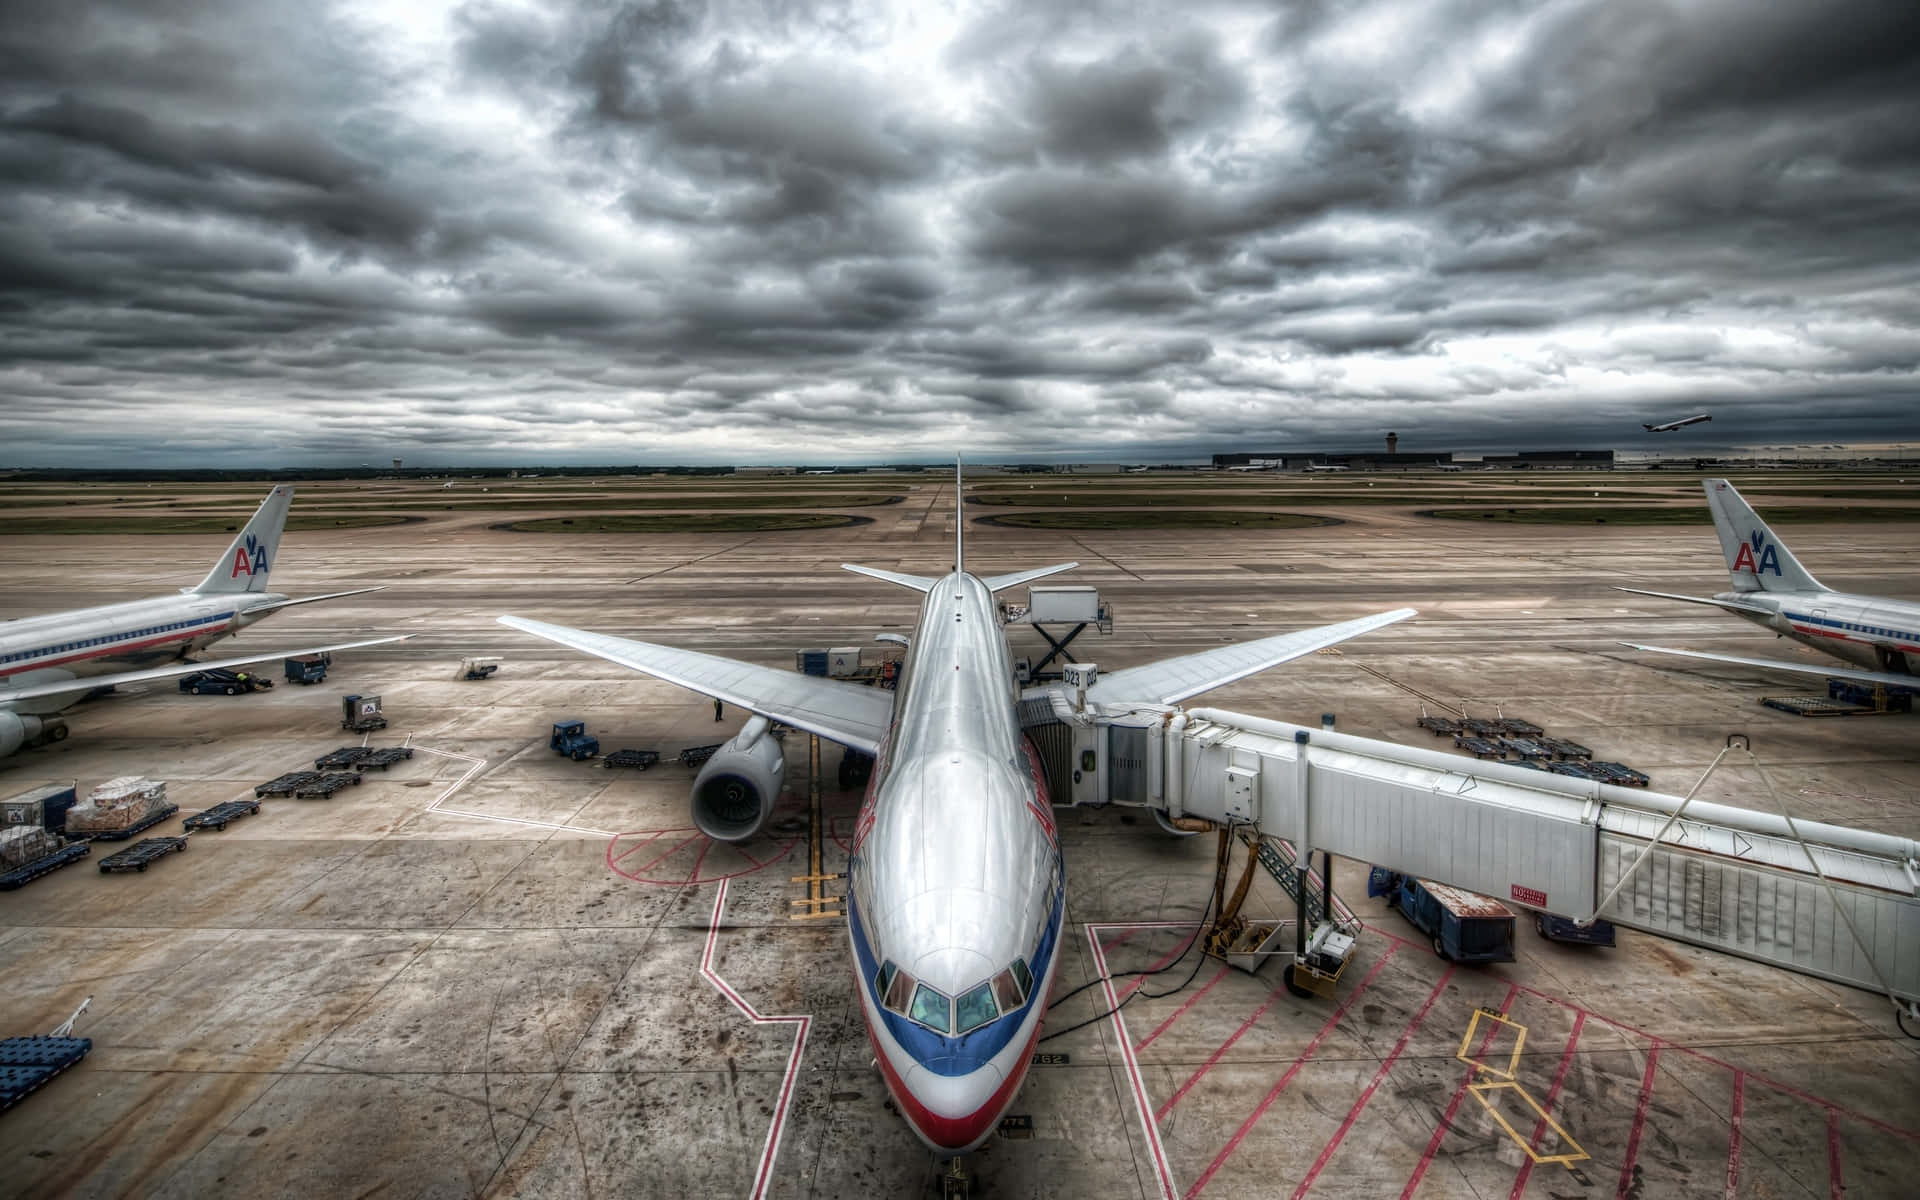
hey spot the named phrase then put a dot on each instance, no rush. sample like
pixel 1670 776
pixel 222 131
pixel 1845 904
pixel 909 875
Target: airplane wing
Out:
pixel 280 604
pixel 919 583
pixel 1773 664
pixel 87 683
pixel 997 582
pixel 1174 679
pixel 847 713
pixel 1729 605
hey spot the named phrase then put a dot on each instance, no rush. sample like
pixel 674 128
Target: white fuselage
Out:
pixel 119 637
pixel 1876 633
pixel 956 893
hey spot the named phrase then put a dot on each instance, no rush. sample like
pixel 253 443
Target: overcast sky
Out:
pixel 292 231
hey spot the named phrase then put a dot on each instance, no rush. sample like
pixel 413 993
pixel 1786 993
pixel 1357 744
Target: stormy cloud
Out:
pixel 513 230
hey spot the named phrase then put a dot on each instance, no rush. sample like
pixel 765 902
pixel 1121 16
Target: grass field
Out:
pixel 1156 518
pixel 183 523
pixel 740 522
pixel 1573 514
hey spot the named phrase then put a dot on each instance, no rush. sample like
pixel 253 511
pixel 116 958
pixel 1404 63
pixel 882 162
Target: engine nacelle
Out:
pixel 734 793
pixel 17 730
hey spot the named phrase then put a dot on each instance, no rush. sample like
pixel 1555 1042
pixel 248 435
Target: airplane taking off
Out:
pixel 1682 423
pixel 1772 589
pixel 957 890
pixel 48 663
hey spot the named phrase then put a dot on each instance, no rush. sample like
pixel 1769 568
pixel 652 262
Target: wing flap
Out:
pixel 1175 679
pixel 87 683
pixel 1885 678
pixel 847 713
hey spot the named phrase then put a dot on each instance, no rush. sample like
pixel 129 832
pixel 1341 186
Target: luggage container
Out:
pixel 120 808
pixel 810 662
pixel 45 806
pixel 1063 605
pixel 306 668
pixel 843 662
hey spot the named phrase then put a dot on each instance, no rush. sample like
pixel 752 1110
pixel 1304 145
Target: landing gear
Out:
pixel 1907 1017
pixel 954 1181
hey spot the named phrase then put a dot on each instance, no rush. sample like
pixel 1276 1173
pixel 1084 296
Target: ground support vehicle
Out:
pixel 639 760
pixel 383 758
pixel 226 683
pixel 1464 927
pixel 1563 929
pixel 572 739
pixel 137 856
pixel 326 785
pixel 65 856
pixel 284 784
pixel 27 1063
pixel 361 714
pixel 855 769
pixel 307 668
pixel 219 815
pixel 477 667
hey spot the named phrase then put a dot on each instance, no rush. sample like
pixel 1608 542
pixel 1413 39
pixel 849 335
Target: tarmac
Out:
pixel 493 971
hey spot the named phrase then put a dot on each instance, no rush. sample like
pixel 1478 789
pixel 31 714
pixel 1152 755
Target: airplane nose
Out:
pixel 956 1112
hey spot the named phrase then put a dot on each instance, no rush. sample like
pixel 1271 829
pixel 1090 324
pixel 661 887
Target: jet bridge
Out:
pixel 1841 904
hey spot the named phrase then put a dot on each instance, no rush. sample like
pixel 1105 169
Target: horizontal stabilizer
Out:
pixel 1729 605
pixel 997 583
pixel 847 713
pixel 277 605
pixel 919 583
pixel 1885 678
pixel 1175 679
pixel 90 682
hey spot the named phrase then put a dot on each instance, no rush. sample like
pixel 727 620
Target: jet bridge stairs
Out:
pixel 1837 903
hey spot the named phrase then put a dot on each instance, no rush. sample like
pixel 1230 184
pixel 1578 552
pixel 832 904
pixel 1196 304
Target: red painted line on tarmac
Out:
pixel 1453 1105
pixel 1639 1122
pixel 1353 1114
pixel 646 841
pixel 1836 1186
pixel 1553 1092
pixel 1182 1010
pixel 1266 1102
pixel 1151 1131
pixel 1733 1136
pixel 666 854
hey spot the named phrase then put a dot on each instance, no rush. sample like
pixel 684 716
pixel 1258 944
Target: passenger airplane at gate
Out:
pixel 957 891
pixel 1772 589
pixel 48 663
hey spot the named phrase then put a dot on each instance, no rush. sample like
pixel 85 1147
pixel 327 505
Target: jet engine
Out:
pixel 17 730
pixel 734 793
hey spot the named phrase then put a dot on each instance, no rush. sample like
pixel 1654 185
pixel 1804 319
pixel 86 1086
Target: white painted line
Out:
pixel 772 1149
pixel 1148 1125
pixel 478 765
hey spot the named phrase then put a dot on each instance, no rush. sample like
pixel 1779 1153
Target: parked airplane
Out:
pixel 1682 423
pixel 48 663
pixel 1313 466
pixel 957 891
pixel 1772 589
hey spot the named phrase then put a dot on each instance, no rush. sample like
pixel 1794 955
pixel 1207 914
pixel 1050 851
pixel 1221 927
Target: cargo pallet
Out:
pixel 345 756
pixel 1479 747
pixel 66 855
pixel 326 786
pixel 1441 726
pixel 27 1063
pixel 639 760
pixel 1817 706
pixel 218 816
pixel 121 835
pixel 693 756
pixel 285 784
pixel 380 760
pixel 145 851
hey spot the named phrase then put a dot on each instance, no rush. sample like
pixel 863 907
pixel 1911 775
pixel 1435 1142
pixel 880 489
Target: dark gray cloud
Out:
pixel 279 231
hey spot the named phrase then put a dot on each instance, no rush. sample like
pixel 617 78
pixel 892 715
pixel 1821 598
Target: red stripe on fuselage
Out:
pixel 98 652
pixel 950 1133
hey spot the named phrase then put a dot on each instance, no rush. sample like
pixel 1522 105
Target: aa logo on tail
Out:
pixel 1767 560
pixel 250 559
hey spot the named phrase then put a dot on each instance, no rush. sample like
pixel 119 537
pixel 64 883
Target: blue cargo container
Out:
pixel 45 806
pixel 1464 927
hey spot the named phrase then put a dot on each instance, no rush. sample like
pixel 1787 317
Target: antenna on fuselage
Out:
pixel 959 521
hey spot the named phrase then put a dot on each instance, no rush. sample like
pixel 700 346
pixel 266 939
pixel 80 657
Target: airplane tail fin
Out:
pixel 245 565
pixel 1757 560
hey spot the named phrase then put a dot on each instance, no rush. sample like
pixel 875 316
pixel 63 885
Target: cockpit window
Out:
pixel 1025 976
pixel 932 1009
pixel 1007 991
pixel 974 1008
pixel 884 979
pixel 899 991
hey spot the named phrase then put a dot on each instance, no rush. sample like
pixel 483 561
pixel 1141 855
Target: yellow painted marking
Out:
pixel 1513 1060
pixel 1567 1159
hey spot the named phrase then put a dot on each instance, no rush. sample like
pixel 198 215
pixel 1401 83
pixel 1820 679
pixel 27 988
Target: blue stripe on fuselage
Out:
pixel 967 1053
pixel 1849 626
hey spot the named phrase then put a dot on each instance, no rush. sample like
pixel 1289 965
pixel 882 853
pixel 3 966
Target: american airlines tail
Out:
pixel 244 567
pixel 1757 560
